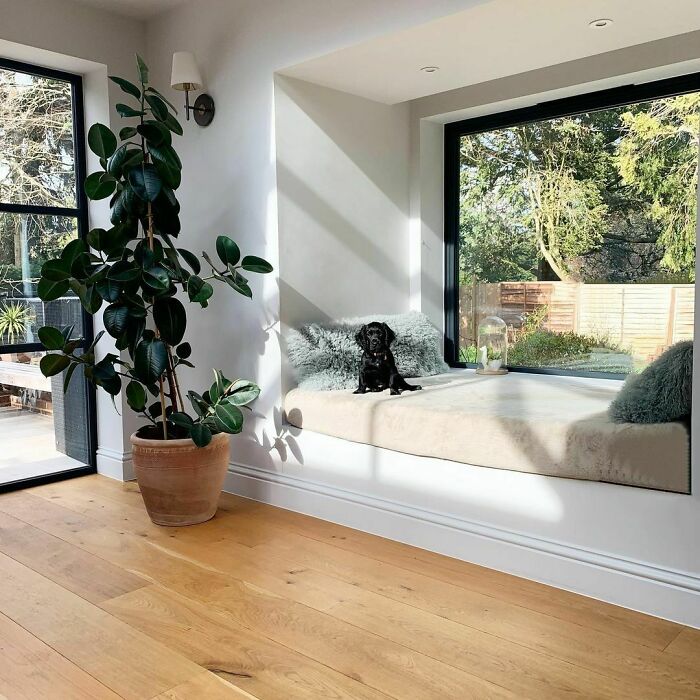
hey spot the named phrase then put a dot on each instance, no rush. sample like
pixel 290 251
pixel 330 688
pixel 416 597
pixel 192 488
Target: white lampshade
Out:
pixel 186 75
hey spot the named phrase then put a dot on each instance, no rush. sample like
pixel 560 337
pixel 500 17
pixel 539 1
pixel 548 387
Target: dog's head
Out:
pixel 375 337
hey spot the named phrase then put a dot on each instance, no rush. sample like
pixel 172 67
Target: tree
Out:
pixel 600 196
pixel 36 166
pixel 658 159
pixel 544 177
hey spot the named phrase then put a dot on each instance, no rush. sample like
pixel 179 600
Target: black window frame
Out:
pixel 543 111
pixel 81 214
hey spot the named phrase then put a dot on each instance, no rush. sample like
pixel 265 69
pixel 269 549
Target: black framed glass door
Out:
pixel 44 434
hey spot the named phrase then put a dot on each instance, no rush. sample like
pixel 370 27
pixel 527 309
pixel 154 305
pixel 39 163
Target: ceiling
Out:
pixel 494 39
pixel 139 9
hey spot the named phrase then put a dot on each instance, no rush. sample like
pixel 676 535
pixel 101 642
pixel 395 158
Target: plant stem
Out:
pixel 162 407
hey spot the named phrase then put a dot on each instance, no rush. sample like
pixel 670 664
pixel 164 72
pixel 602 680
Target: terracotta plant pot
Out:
pixel 180 483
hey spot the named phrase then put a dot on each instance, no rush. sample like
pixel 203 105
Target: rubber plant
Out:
pixel 138 273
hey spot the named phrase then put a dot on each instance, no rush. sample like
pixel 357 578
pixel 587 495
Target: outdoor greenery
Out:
pixel 136 269
pixel 606 196
pixel 36 167
pixel 14 319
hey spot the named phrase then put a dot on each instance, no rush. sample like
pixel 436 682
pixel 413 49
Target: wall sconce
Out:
pixel 186 77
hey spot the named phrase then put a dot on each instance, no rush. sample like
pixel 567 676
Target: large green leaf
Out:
pixel 165 154
pixel 128 87
pixel 170 318
pixel 123 271
pixel 116 318
pixel 228 251
pixel 51 338
pixel 157 278
pixel 97 187
pixel 69 376
pixel 201 435
pixel 158 107
pixel 150 360
pixel 182 419
pixel 242 392
pixel 229 419
pixel 55 270
pixel 145 182
pixel 155 133
pixel 109 290
pixel 162 97
pixel 49 290
pixel 73 251
pixel 127 132
pixel 52 365
pixel 126 111
pixel 191 259
pixel 252 263
pixel 198 290
pixel 142 69
pixel 102 141
pixel 88 295
pixel 173 124
pixel 104 375
pixel 136 396
pixel 239 283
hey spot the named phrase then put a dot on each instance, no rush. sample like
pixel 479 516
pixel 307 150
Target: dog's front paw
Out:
pixel 416 387
pixel 360 391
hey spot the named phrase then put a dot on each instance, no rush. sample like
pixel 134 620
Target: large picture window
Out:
pixel 575 222
pixel 42 207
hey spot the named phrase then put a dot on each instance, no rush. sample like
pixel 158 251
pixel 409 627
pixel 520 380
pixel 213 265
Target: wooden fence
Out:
pixel 642 318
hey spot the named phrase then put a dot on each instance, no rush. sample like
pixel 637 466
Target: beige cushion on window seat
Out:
pixel 542 424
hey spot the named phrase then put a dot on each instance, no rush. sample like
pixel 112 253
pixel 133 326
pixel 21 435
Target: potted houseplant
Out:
pixel 137 272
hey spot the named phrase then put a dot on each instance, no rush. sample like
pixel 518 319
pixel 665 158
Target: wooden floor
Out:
pixel 96 602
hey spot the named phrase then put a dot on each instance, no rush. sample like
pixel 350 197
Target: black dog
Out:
pixel 377 367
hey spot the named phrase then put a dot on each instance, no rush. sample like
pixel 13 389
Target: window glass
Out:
pixel 580 233
pixel 37 159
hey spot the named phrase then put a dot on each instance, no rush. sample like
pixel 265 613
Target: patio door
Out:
pixel 44 434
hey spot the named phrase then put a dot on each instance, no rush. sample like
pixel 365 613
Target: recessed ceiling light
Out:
pixel 601 23
pixel 430 69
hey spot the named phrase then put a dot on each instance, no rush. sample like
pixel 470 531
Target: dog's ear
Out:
pixel 389 335
pixel 361 338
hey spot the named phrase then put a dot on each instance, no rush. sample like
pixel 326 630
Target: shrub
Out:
pixel 541 348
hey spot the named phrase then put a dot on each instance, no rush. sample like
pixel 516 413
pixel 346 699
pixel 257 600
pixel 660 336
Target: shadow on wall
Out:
pixel 342 185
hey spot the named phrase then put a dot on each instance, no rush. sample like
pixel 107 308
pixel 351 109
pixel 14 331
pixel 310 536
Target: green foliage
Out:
pixel 600 196
pixel 543 348
pixel 14 319
pixel 658 159
pixel 135 271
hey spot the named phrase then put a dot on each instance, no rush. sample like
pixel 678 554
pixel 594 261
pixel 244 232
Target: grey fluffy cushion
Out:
pixel 661 393
pixel 326 356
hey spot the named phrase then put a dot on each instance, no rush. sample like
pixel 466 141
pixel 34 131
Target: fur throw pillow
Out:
pixel 326 356
pixel 661 393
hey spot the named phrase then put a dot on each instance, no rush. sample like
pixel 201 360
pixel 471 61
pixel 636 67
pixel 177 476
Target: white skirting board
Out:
pixel 634 582
pixel 114 464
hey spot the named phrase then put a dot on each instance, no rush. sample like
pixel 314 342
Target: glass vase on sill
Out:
pixel 492 346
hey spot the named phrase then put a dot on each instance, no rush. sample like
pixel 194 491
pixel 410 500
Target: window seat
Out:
pixel 550 425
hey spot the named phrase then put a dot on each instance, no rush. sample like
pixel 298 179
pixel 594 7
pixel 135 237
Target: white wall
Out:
pixel 342 194
pixel 93 43
pixel 230 178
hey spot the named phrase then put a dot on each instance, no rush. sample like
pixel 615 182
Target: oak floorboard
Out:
pixel 262 603
pixel 78 571
pixel 257 523
pixel 686 645
pixel 213 640
pixel 205 686
pixel 30 669
pixel 373 660
pixel 121 658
